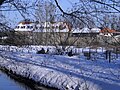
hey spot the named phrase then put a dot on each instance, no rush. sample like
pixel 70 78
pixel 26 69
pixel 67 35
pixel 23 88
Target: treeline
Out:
pixel 54 39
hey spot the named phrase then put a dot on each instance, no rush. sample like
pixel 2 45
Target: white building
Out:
pixel 43 26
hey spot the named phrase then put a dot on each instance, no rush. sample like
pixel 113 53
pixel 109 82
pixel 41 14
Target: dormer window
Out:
pixel 28 27
pixel 17 27
pixel 22 27
pixel 31 27
pixel 57 27
pixel 36 27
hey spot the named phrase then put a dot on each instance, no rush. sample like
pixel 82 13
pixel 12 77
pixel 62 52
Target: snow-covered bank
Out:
pixel 29 83
pixel 63 72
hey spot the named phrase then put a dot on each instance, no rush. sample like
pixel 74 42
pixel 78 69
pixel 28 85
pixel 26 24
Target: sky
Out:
pixel 66 4
pixel 13 17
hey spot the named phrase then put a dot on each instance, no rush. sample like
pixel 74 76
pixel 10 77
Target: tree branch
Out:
pixel 106 4
pixel 1 2
pixel 69 14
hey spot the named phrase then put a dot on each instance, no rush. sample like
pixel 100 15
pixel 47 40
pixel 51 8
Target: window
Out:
pixel 57 27
pixel 31 27
pixel 17 27
pixel 22 27
pixel 36 27
pixel 28 27
pixel 52 27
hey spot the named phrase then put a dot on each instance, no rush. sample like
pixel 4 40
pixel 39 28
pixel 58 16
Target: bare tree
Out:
pixel 45 11
pixel 93 8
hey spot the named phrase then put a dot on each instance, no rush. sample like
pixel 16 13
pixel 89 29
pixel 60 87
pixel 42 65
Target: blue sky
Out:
pixel 66 4
pixel 14 17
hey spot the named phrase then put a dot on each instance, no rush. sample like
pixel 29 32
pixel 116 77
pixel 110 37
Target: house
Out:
pixel 44 33
pixel 107 32
pixel 85 32
pixel 43 26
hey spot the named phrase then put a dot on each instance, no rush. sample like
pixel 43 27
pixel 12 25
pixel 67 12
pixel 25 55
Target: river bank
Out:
pixel 23 80
pixel 64 72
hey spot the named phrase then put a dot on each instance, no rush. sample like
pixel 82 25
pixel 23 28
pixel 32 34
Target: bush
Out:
pixel 70 53
pixel 42 51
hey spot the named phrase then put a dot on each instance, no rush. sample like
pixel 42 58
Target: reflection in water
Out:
pixel 6 83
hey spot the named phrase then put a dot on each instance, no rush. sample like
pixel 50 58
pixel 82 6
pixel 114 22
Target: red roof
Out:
pixel 107 30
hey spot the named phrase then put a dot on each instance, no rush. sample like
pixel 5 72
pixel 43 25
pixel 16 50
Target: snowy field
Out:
pixel 62 71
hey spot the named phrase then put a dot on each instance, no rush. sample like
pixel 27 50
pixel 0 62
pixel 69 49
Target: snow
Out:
pixel 83 30
pixel 52 49
pixel 86 30
pixel 64 72
pixel 97 30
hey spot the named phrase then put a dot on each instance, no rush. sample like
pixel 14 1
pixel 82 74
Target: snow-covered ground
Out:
pixel 52 49
pixel 64 72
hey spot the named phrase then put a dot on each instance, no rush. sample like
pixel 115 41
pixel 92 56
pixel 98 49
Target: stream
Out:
pixel 8 83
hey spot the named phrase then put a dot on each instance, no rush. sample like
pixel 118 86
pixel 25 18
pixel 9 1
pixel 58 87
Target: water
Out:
pixel 6 83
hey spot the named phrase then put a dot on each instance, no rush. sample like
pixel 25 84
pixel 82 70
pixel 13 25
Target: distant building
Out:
pixel 107 32
pixel 44 33
pixel 43 26
pixel 86 32
pixel 60 33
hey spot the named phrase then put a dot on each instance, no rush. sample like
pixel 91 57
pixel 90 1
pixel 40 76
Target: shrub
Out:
pixel 42 51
